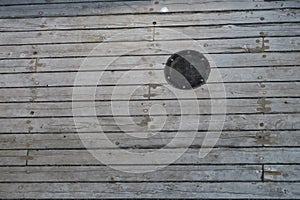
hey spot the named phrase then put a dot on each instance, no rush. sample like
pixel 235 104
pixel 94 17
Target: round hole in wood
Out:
pixel 187 69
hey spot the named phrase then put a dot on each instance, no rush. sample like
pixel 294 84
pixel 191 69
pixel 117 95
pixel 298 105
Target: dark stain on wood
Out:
pixel 154 86
pixel 273 173
pixel 27 158
pixel 145 121
pixel 262 103
pixel 263 137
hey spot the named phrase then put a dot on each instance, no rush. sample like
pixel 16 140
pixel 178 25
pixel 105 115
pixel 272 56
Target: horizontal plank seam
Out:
pixel 66 86
pixel 185 164
pixel 151 147
pixel 133 100
pixel 139 55
pixel 145 69
pixel 150 40
pixel 152 115
pixel 163 131
pixel 151 26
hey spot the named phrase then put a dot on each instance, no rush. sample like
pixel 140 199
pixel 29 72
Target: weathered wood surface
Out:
pixel 70 8
pixel 146 48
pixel 169 33
pixel 281 173
pixel 151 190
pixel 149 123
pixel 233 90
pixel 10 157
pixel 255 46
pixel 144 62
pixel 172 107
pixel 216 156
pixel 228 75
pixel 73 141
pixel 105 174
pixel 189 5
pixel 115 21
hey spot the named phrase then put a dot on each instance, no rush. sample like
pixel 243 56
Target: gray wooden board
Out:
pixel 226 31
pixel 170 33
pixel 254 60
pixel 146 20
pixel 172 107
pixel 281 173
pixel 119 7
pixel 150 190
pixel 149 123
pixel 142 77
pixel 104 93
pixel 106 174
pixel 244 45
pixel 122 140
pixel 262 90
pixel 11 157
pixel 32 2
pixel 204 5
pixel 191 156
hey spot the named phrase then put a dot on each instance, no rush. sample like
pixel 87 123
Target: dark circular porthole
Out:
pixel 187 69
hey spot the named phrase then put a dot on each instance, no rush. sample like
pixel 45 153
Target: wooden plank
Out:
pixel 226 31
pixel 281 173
pixel 278 138
pixel 32 2
pixel 172 107
pixel 145 48
pixel 150 190
pixel 106 174
pixel 122 140
pixel 170 33
pixel 143 62
pixel 75 9
pixel 191 156
pixel 146 20
pixel 232 90
pixel 149 123
pixel 127 48
pixel 119 7
pixel 11 157
pixel 228 75
pixel 292 43
pixel 205 4
pixel 261 90
pixel 75 36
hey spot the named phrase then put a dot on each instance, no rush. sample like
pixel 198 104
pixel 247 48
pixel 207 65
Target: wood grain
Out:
pixel 151 190
pixel 149 123
pixel 254 45
pixel 143 77
pixel 172 107
pixel 146 34
pixel 191 156
pixel 106 174
pixel 146 20
pixel 75 8
pixel 150 48
pixel 104 93
pixel 122 140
